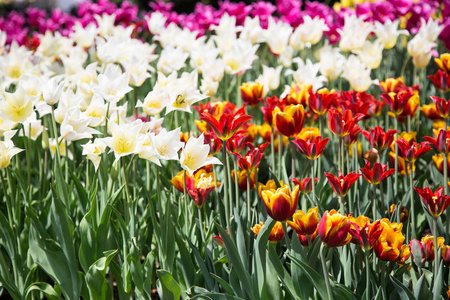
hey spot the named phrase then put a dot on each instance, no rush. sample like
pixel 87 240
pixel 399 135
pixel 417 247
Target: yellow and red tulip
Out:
pixel 403 212
pixel 341 124
pixel 442 106
pixel 411 152
pixel 251 93
pixel 341 185
pixel 423 250
pixel 388 245
pixel 289 122
pixel 334 229
pixel 305 184
pixel 305 224
pixel 276 234
pixel 227 124
pixel 281 203
pixel 312 149
pixel 364 233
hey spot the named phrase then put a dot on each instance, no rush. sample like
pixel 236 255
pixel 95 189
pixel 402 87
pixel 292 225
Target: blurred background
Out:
pixel 181 6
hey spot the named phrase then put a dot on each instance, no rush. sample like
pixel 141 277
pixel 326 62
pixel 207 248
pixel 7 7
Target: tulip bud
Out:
pixel 371 155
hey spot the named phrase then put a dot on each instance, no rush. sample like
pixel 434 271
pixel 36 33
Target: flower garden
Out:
pixel 265 151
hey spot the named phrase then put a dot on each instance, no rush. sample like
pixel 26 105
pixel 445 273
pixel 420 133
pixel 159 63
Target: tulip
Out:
pixel 442 106
pixel 252 158
pixel 436 202
pixel 270 185
pixel 379 139
pixel 305 184
pixel 320 101
pixel 443 62
pixel 341 124
pixel 227 124
pixel 276 234
pixel 423 250
pixel 393 85
pixel 194 155
pixel 305 224
pixel 299 94
pixel 352 137
pixel 397 101
pixel 215 144
pixel 377 173
pixel 445 254
pixel 342 184
pixel 438 160
pixel 289 122
pixel 430 112
pixel 281 203
pixel 442 143
pixel 265 131
pixel 251 93
pixel 334 229
pixel 242 178
pixel 410 137
pixel 269 105
pixel 309 133
pixel 388 245
pixel 441 81
pixel 405 253
pixel 412 152
pixel 236 144
pixel 403 212
pixel 312 149
pixel 365 234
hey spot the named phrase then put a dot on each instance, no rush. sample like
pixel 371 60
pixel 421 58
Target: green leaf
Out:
pixel 62 189
pixel 224 284
pixel 63 227
pixel 260 254
pixel 45 288
pixel 209 281
pixel 314 277
pixel 98 286
pixel 298 275
pixel 283 274
pixel 81 192
pixel 216 296
pixel 438 284
pixel 168 288
pixel 403 291
pixel 234 258
pixel 421 288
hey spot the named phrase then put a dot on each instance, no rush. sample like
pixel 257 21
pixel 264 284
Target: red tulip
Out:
pixel 320 101
pixel 411 152
pixel 304 184
pixel 227 124
pixel 377 173
pixel 341 185
pixel 341 124
pixel 269 105
pixel 236 144
pixel 365 234
pixel 441 81
pixel 379 139
pixel 436 202
pixel 352 136
pixel 442 106
pixel 397 101
pixel 252 158
pixel 442 143
pixel 311 149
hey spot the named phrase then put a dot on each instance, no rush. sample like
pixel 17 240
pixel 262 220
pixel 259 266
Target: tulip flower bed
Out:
pixel 244 152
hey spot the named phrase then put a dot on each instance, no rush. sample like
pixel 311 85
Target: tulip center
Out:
pixel 434 198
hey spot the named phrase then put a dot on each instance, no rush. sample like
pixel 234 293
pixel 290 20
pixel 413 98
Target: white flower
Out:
pixel 420 49
pixel 239 57
pixel 307 74
pixel 33 128
pixel 105 24
pixel 308 33
pixel 84 36
pixel 227 25
pixel 93 151
pixel 154 102
pixel 195 155
pixel 146 149
pixel 7 149
pixel 96 111
pixel 271 77
pixel 171 59
pixel 68 100
pixel 331 63
pixel 354 33
pixel 52 91
pixel 388 32
pixel 156 22
pixel 62 147
pixel 32 84
pixel 167 143
pixel 357 74
pixel 138 70
pixel 17 107
pixel 430 29
pixel 112 85
pixel 124 139
pixel 371 54
pixel 285 57
pixel 252 31
pixel 75 126
pixel 209 87
pixel 277 36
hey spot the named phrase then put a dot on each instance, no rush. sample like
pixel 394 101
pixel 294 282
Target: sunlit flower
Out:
pixel 7 149
pixel 194 155
pixel 388 32
pixel 305 184
pixel 305 224
pixel 389 243
pixel 334 229
pixel 342 184
pixel 436 202
pixel 289 122
pixel 93 151
pixel 312 149
pixel 276 234
pixel 281 203
pixel 17 107
pixel 123 141
pixel 377 173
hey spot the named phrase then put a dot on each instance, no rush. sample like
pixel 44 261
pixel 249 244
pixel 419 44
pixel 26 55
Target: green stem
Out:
pixel 325 273
pixel 236 185
pixel 249 221
pixel 374 202
pixel 413 215
pixel 186 216
pixel 272 149
pixel 292 159
pixel 342 205
pixel 280 149
pixel 225 188
pixel 286 236
pixel 437 256
pixel 313 183
pixel 367 275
